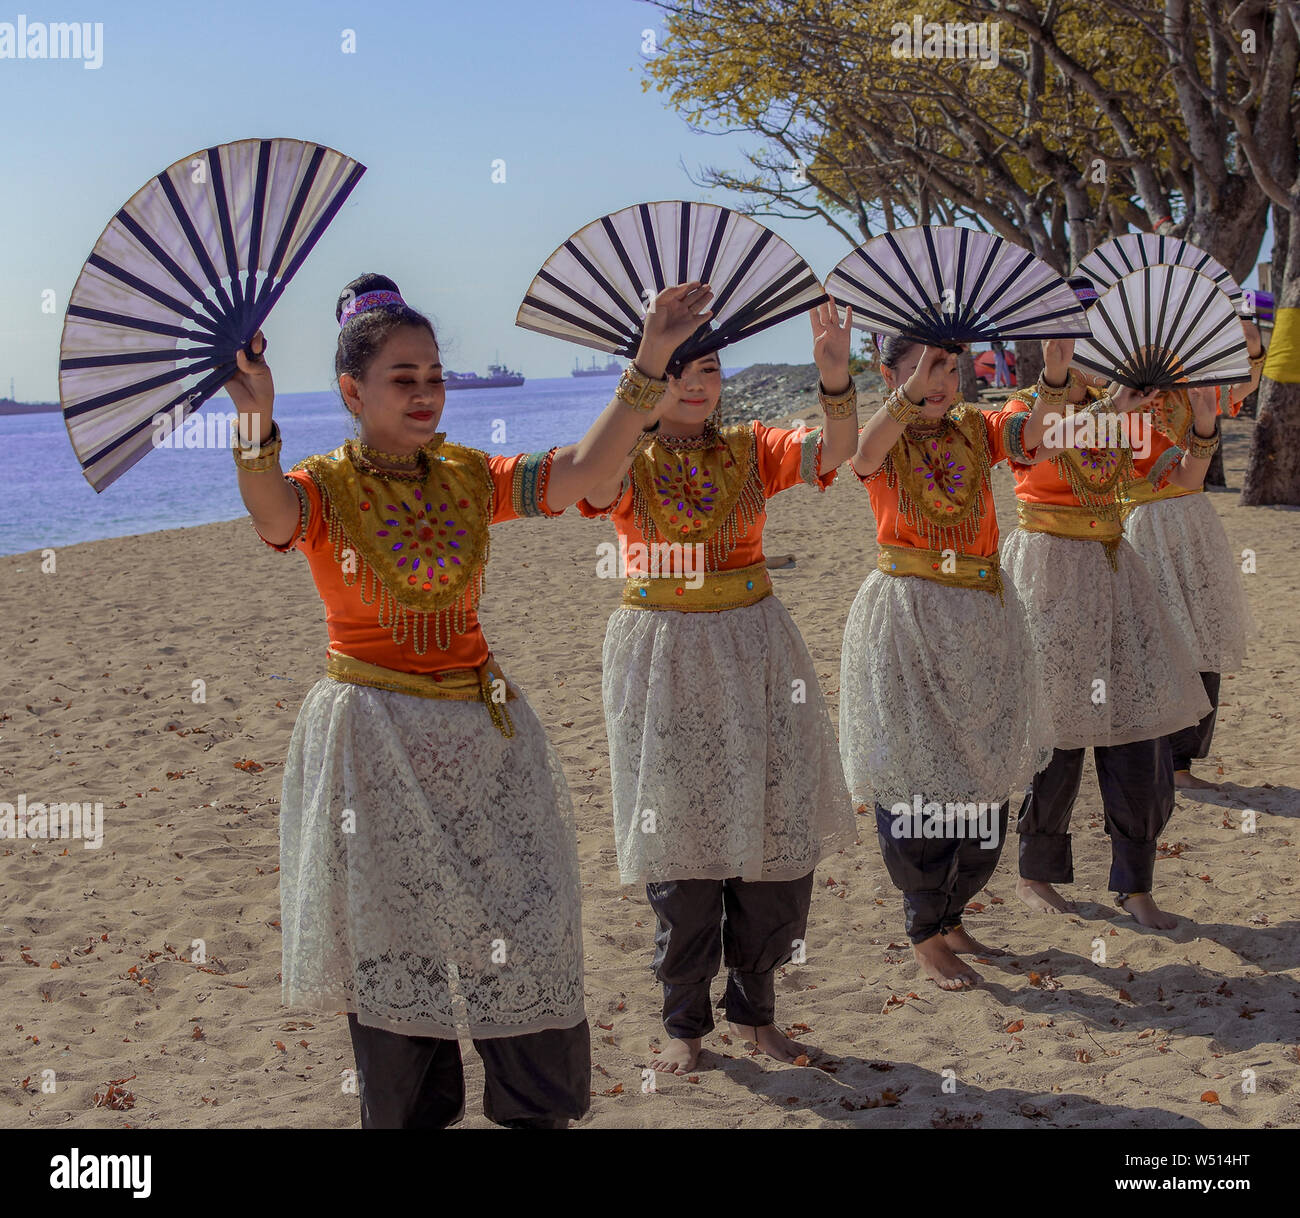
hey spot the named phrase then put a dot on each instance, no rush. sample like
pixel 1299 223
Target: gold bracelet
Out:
pixel 257 458
pixel 1052 395
pixel 841 405
pixel 640 392
pixel 1257 361
pixel 901 408
pixel 1200 447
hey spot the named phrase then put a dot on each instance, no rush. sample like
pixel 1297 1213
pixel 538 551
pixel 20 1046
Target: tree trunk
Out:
pixel 968 385
pixel 1273 471
pixel 1029 362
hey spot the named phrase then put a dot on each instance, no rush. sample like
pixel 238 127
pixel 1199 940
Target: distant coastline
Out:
pixel 8 406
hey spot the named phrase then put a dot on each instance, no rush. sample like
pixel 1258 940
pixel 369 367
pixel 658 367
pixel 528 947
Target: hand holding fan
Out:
pixel 183 277
pixel 596 288
pixel 946 287
pixel 1164 327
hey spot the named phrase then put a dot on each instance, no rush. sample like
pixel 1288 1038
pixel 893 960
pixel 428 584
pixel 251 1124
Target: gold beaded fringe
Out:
pixel 392 614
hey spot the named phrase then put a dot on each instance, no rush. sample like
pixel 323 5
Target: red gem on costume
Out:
pixel 410 579
pixel 365 507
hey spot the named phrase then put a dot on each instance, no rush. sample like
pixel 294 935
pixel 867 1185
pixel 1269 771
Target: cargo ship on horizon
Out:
pixel 498 377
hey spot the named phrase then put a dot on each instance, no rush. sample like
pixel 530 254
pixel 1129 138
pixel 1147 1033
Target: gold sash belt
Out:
pixel 459 684
pixel 1075 522
pixel 956 570
pixel 720 590
pixel 1142 491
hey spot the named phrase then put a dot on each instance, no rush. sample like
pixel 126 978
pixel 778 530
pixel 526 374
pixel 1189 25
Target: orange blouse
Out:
pixel 894 527
pixel 519 486
pixel 784 457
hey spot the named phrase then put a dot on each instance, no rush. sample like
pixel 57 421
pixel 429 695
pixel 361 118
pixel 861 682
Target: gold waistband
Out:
pixel 1075 522
pixel 459 684
pixel 1141 491
pixel 944 567
pixel 719 590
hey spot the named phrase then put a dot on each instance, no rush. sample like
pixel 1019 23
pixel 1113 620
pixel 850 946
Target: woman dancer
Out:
pixel 429 874
pixel 1117 674
pixel 1181 539
pixel 726 779
pixel 934 640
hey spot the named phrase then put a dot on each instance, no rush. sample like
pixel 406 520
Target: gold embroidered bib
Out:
pixel 941 475
pixel 1172 416
pixel 419 542
pixel 1095 475
pixel 709 495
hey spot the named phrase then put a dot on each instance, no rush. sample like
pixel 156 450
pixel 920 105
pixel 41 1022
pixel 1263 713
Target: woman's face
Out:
pixel 695 393
pixel 400 397
pixel 944 382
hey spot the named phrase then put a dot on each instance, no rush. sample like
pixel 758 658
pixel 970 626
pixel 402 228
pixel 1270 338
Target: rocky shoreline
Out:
pixel 778 392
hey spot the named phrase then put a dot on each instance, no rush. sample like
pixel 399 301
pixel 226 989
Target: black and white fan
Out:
pixel 946 287
pixel 1122 255
pixel 1165 326
pixel 595 289
pixel 182 278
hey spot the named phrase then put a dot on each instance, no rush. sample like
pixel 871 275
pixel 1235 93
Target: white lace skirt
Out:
pixel 1190 558
pixel 939 696
pixel 722 754
pixel 1115 668
pixel 428 867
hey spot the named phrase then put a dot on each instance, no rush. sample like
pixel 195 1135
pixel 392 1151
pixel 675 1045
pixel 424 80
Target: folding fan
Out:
pixel 1164 326
pixel 182 278
pixel 948 286
pixel 1132 251
pixel 595 289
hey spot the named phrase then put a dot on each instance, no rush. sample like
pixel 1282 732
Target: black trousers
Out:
pixel 752 924
pixel 1194 741
pixel 1137 793
pixel 540 1080
pixel 936 875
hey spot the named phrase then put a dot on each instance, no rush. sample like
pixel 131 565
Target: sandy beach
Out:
pixel 1194 1027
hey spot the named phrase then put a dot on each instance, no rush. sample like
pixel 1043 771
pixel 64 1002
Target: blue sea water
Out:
pixel 48 502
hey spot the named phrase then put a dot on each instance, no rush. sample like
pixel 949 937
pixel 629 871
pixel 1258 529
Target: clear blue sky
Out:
pixel 434 93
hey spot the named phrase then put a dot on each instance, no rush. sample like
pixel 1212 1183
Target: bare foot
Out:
pixel 772 1041
pixel 959 940
pixel 1188 781
pixel 938 962
pixel 1041 897
pixel 680 1058
pixel 1143 907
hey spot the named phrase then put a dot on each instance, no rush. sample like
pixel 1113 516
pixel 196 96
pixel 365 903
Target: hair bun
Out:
pixel 369 282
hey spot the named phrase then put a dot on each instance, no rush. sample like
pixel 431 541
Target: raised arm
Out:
pixel 270 500
pixel 1201 443
pixel 593 468
pixel 831 355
